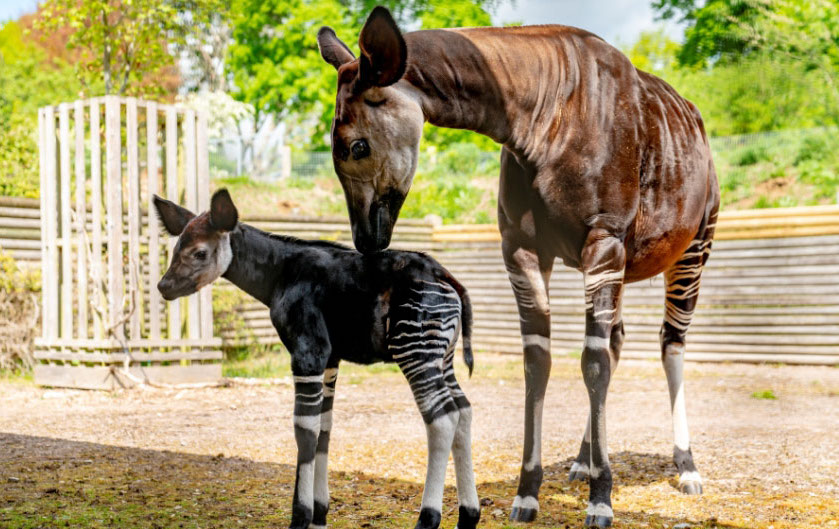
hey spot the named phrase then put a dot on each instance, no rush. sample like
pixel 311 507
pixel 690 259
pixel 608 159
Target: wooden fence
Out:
pixel 102 325
pixel 770 292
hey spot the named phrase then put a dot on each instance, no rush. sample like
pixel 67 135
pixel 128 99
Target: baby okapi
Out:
pixel 330 303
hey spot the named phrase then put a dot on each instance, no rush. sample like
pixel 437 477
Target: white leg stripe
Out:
pixel 308 422
pixel 527 502
pixel 309 379
pixel 579 467
pixel 322 479
pixel 596 343
pixel 599 509
pixel 305 484
pixel 538 340
pixel 691 476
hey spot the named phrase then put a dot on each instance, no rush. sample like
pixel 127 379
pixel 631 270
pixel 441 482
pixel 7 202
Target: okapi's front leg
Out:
pixel 321 492
pixel 579 469
pixel 529 277
pixel 308 398
pixel 603 262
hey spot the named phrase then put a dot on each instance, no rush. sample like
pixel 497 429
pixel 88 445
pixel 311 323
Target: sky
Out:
pixel 617 21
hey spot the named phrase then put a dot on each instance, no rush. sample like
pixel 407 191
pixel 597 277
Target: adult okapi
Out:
pixel 602 165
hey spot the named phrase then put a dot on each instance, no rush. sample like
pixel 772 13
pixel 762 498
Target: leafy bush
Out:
pixel 19 303
pixel 812 148
pixel 19 159
pixel 752 155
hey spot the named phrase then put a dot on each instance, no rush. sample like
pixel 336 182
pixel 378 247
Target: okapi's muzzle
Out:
pixel 372 232
pixel 173 288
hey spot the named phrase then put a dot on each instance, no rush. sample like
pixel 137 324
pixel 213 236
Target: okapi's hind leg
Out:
pixel 682 281
pixel 529 276
pixel 469 507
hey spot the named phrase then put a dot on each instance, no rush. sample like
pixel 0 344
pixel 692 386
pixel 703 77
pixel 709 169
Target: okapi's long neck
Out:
pixel 257 263
pixel 507 83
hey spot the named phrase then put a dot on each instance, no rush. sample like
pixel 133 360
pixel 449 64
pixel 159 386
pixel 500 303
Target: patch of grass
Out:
pixel 752 155
pixel 765 394
pixel 269 365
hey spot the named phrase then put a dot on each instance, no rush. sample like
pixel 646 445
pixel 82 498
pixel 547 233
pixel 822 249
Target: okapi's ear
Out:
pixel 384 53
pixel 223 214
pixel 332 49
pixel 174 217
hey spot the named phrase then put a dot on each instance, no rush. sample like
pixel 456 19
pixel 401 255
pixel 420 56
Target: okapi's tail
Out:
pixel 465 317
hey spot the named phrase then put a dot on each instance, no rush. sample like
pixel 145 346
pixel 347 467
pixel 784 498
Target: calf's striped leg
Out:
pixel 469 507
pixel 603 260
pixel 529 277
pixel 421 337
pixel 682 281
pixel 321 488
pixel 308 398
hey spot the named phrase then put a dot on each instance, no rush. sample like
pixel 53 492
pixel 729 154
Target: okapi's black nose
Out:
pixel 164 286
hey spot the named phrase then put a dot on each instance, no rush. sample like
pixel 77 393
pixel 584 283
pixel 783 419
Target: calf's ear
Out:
pixel 174 217
pixel 223 214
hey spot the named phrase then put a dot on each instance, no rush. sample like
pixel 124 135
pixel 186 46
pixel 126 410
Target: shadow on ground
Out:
pixel 59 483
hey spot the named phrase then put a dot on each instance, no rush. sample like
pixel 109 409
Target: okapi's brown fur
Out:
pixel 603 166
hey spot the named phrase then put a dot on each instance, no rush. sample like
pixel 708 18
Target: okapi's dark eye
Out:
pixel 360 149
pixel 200 255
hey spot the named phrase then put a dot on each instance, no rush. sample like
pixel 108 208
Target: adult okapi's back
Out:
pixel 602 165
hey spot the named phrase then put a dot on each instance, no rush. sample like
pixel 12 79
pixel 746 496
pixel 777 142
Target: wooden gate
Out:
pixel 104 323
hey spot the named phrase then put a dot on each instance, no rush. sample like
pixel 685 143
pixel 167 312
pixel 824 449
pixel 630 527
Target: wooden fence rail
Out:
pixel 770 292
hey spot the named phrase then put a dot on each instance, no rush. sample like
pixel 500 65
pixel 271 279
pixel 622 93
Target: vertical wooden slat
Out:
pixel 96 220
pixel 51 213
pixel 133 214
pixel 42 172
pixel 154 231
pixel 66 229
pixel 113 175
pixel 193 316
pixel 81 220
pixel 203 192
pixel 172 194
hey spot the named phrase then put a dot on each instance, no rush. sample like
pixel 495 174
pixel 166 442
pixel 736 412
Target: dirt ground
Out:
pixel 223 457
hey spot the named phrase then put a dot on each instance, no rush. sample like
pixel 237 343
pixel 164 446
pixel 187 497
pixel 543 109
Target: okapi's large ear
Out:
pixel 332 49
pixel 174 217
pixel 384 53
pixel 223 214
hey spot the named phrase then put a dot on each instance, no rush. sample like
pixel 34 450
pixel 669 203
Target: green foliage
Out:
pixel 14 279
pixel 752 155
pixel 276 66
pixel 766 394
pixel 122 42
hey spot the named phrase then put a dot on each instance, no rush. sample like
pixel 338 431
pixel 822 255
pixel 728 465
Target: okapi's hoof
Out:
pixel 596 520
pixel 691 487
pixel 523 514
pixel 525 509
pixel 578 472
pixel 468 518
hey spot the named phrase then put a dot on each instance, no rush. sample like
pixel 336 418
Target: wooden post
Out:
pixel 154 231
pixel 113 175
pixel 96 219
pixel 133 214
pixel 51 279
pixel 203 191
pixel 42 171
pixel 66 228
pixel 193 317
pixel 81 223
pixel 172 194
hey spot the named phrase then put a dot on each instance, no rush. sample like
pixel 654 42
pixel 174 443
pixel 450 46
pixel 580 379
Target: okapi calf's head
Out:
pixel 377 127
pixel 202 253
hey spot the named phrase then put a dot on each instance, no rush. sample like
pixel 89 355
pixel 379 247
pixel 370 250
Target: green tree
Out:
pixel 124 41
pixel 276 67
